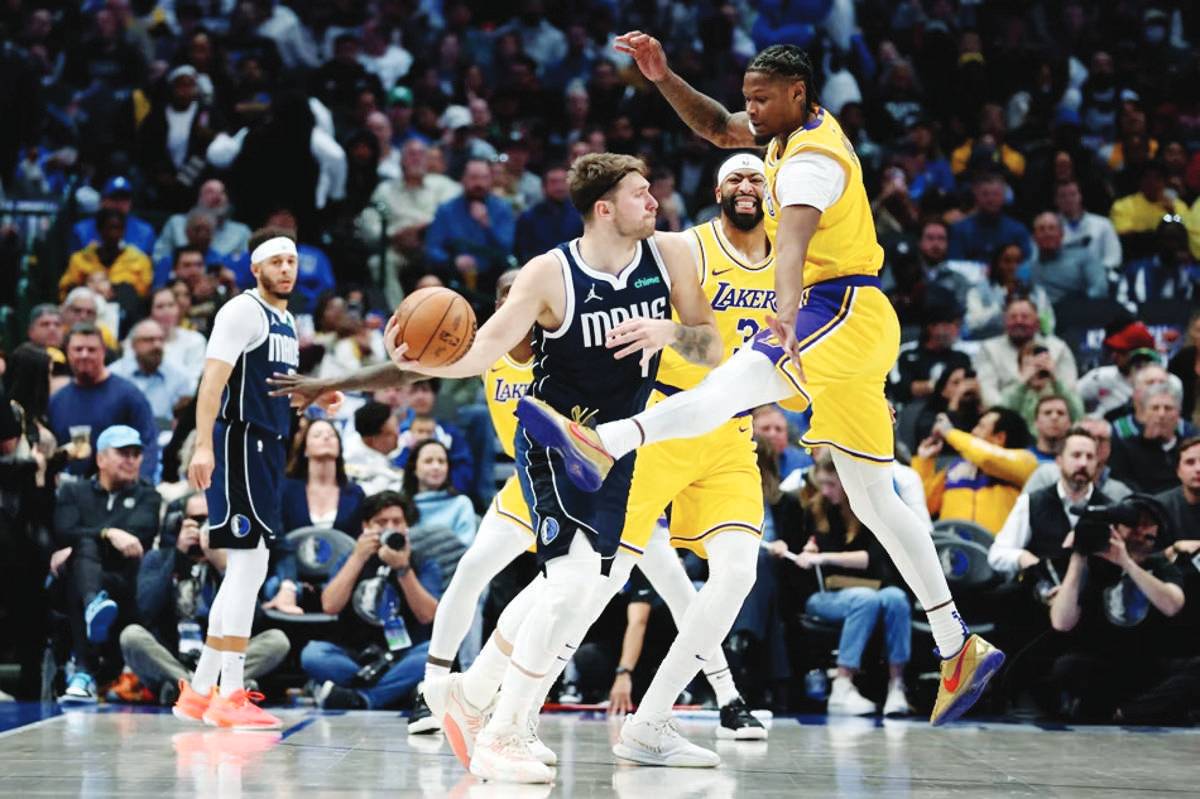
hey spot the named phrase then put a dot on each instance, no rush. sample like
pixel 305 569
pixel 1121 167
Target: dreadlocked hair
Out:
pixel 787 61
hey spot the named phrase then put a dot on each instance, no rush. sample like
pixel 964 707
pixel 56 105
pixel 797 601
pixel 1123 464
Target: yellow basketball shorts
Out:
pixel 849 339
pixel 509 503
pixel 711 482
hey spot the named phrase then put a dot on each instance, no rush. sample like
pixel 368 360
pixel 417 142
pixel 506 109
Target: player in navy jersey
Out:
pixel 239 461
pixel 617 283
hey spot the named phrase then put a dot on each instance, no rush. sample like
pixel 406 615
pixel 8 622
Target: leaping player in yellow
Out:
pixel 833 342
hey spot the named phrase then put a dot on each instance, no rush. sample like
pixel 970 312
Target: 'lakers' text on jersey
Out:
pixel 573 368
pixel 246 399
pixel 505 383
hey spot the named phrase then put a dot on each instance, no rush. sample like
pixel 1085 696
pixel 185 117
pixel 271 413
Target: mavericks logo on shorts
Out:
pixel 549 530
pixel 239 525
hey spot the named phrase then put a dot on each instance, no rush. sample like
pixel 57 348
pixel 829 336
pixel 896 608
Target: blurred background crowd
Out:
pixel 1034 168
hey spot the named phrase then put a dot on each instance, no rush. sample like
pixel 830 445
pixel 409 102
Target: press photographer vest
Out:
pixel 1048 522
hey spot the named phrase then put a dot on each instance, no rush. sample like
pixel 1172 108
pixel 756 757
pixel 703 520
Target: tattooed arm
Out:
pixel 305 390
pixel 702 113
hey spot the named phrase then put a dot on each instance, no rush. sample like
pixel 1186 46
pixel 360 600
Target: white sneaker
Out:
pixel 505 757
pixel 542 752
pixel 897 701
pixel 461 721
pixel 845 700
pixel 658 742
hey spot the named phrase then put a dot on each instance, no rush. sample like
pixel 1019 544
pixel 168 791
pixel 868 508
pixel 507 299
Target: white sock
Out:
pixel 666 575
pixel 481 681
pixel 497 543
pixel 434 672
pixel 207 670
pixel 908 541
pixel 733 564
pixel 232 677
pixel 745 381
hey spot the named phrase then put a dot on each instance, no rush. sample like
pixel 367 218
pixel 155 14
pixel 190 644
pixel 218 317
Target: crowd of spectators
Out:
pixel 1034 170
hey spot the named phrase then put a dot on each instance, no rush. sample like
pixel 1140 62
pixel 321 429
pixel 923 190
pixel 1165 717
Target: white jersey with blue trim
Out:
pixel 258 341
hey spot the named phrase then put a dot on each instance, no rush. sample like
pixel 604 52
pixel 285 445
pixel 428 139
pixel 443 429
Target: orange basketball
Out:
pixel 437 324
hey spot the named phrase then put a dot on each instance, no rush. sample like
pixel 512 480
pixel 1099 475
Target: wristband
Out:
pixel 623 670
pixel 403 570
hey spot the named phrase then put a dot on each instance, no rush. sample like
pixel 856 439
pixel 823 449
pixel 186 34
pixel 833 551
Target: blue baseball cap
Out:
pixel 118 185
pixel 117 437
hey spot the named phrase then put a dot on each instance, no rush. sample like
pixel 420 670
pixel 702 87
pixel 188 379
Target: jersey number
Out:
pixel 749 329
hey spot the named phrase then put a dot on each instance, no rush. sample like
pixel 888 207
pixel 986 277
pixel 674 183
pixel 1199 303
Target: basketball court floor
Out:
pixel 117 751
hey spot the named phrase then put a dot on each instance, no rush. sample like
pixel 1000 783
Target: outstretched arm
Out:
pixel 702 113
pixel 528 302
pixel 304 390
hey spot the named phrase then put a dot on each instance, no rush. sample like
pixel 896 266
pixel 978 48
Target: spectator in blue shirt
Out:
pixel 314 270
pixel 427 481
pixel 118 194
pixel 1171 273
pixel 989 228
pixel 165 387
pixel 97 399
pixel 417 423
pixel 550 222
pixel 1063 274
pixel 472 235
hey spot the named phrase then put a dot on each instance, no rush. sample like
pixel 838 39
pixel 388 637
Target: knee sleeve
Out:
pixel 733 561
pixel 517 610
pixel 245 571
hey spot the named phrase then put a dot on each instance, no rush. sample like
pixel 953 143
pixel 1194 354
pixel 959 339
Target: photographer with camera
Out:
pixel 1115 601
pixel 386 596
pixel 176 586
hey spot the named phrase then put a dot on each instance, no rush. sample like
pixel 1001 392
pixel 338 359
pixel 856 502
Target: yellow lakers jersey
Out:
pixel 844 242
pixel 505 383
pixel 741 295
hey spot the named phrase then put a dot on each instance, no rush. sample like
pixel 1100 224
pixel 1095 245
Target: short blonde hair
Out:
pixel 594 175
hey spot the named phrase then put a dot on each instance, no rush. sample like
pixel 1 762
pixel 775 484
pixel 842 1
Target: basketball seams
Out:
pixel 454 321
pixel 436 329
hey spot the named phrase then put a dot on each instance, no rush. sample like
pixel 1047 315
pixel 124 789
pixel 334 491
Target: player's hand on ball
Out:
pixel 646 51
pixel 201 468
pixel 396 349
pixel 646 336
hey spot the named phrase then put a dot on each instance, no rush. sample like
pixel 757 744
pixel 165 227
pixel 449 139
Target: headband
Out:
pixel 280 245
pixel 740 161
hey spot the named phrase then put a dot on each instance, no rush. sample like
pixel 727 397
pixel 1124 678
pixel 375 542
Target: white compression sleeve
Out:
pixel 745 381
pixel 482 680
pixel 498 542
pixel 908 542
pixel 245 571
pixel 732 568
pixel 662 568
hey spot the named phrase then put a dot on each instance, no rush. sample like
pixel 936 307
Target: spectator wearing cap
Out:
pixel 1130 346
pixel 1092 234
pixel 401 210
pixel 990 143
pixel 1037 382
pixel 471 236
pixel 983 483
pixel 369 456
pixel 399 109
pixel 551 221
pixel 96 399
pixel 988 228
pixel 921 362
pixel 1127 420
pixel 118 195
pixel 1063 274
pixel 164 387
pixel 1146 461
pixel 102 527
pixel 173 140
pixel 998 360
pixel 1185 365
pixel 124 264
pixel 229 237
pixel 1169 273
pixel 1136 216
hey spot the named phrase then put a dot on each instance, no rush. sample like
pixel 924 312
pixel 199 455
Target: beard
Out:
pixel 743 222
pixel 271 288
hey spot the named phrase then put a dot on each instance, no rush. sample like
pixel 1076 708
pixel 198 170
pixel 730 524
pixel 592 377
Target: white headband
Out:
pixel 738 162
pixel 280 245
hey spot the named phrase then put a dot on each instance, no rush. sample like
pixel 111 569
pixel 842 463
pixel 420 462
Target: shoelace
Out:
pixel 243 696
pixel 513 746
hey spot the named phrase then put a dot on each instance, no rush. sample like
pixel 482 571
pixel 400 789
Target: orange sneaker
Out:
pixel 128 688
pixel 191 704
pixel 238 712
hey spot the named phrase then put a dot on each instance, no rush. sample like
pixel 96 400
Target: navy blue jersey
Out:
pixel 246 399
pixel 573 371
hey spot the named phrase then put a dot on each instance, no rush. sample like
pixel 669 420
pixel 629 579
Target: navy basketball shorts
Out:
pixel 557 508
pixel 246 495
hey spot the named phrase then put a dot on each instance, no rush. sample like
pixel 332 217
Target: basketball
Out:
pixel 437 324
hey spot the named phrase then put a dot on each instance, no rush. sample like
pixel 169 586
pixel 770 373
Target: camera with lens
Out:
pixel 1092 532
pixel 393 539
